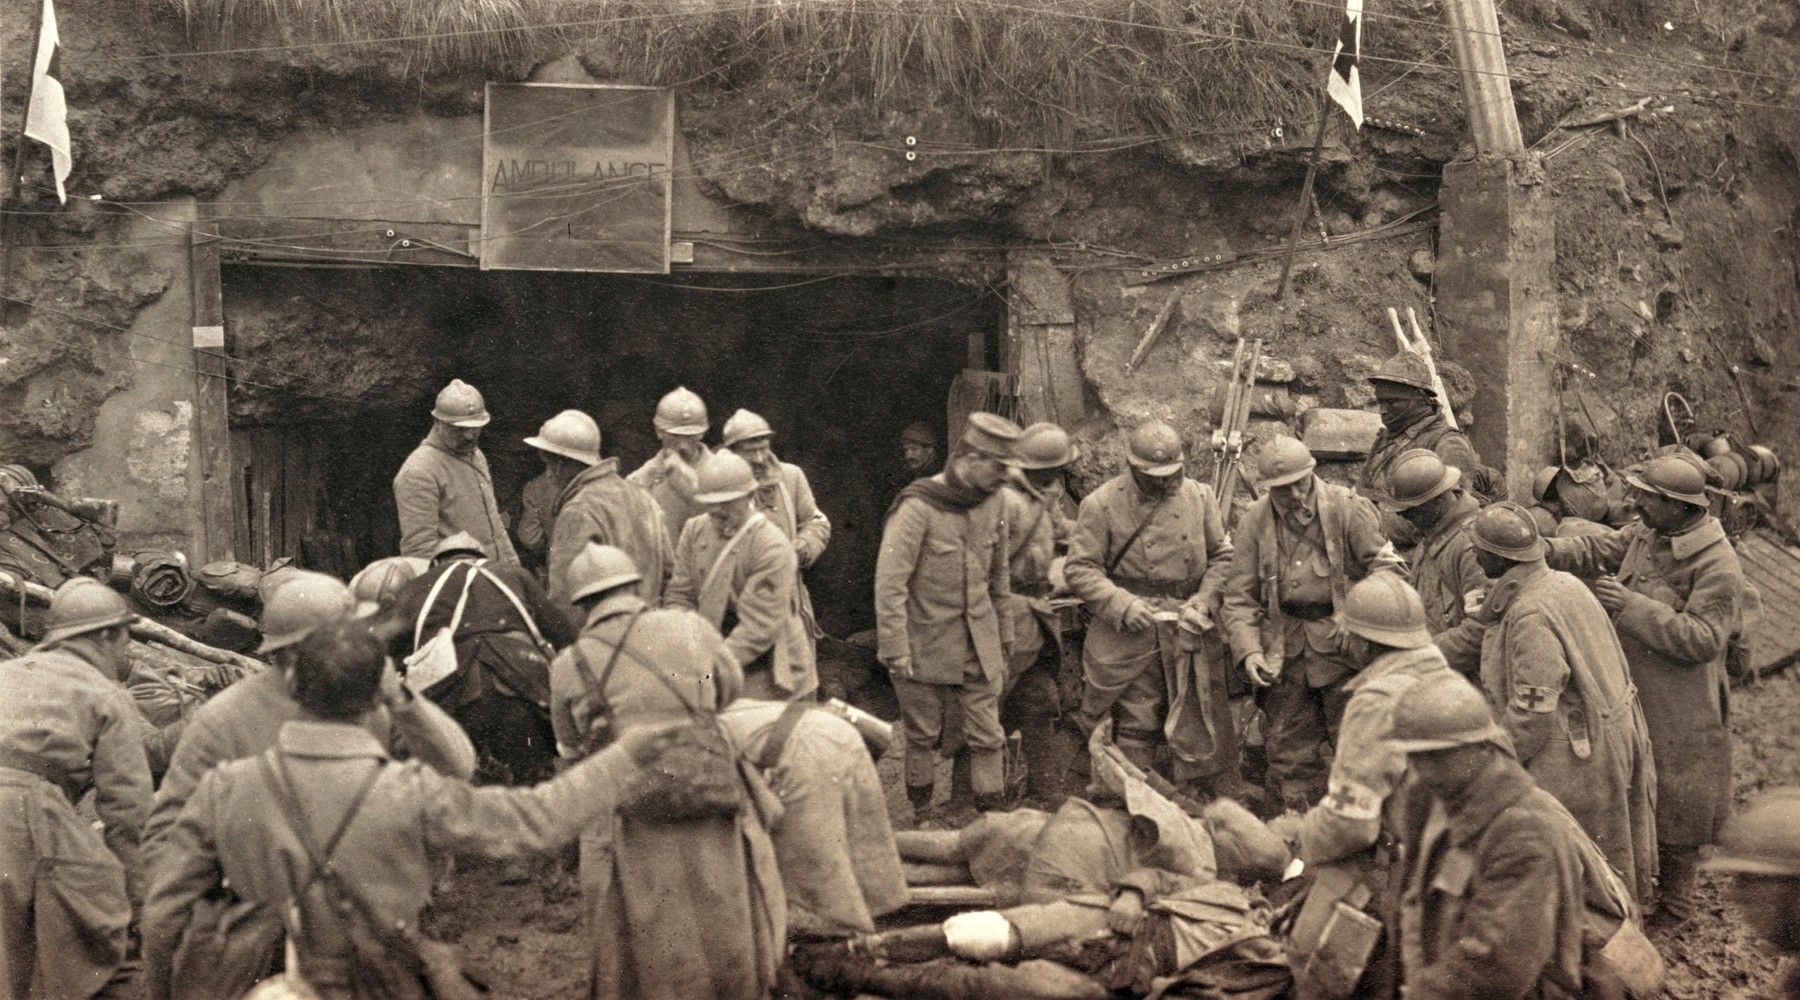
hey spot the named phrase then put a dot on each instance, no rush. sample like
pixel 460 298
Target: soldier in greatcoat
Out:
pixel 1675 595
pixel 784 496
pixel 1427 494
pixel 1037 535
pixel 1150 557
pixel 596 504
pixel 67 727
pixel 445 487
pixel 737 569
pixel 1298 551
pixel 1492 904
pixel 691 908
pixel 670 474
pixel 940 581
pixel 1411 417
pixel 1557 681
pixel 1348 837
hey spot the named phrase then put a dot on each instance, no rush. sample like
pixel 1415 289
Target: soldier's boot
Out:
pixel 987 768
pixel 920 797
pixel 1138 747
pixel 1675 889
pixel 1078 770
pixel 1043 762
pixel 962 789
pixel 1017 770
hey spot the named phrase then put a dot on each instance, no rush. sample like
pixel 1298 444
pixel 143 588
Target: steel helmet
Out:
pixel 1045 446
pixel 682 411
pixel 1672 477
pixel 304 602
pixel 1406 368
pixel 1154 448
pixel 723 476
pixel 745 426
pixel 460 405
pixel 1763 838
pixel 1541 483
pixel 461 541
pixel 1284 460
pixel 598 568
pixel 383 578
pixel 14 477
pixel 571 434
pixel 83 605
pixel 1509 531
pixel 1440 712
pixel 1418 476
pixel 1386 609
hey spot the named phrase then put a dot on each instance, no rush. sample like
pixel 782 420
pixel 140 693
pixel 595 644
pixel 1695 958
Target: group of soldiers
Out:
pixel 1475 734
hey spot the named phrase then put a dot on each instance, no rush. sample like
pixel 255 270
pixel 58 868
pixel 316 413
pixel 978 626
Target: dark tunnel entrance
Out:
pixel 335 370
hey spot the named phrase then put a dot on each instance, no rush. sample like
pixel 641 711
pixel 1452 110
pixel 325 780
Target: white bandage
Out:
pixel 983 936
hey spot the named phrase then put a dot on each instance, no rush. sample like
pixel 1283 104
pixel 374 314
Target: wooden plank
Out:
pixel 240 461
pixel 296 492
pixel 971 896
pixel 212 419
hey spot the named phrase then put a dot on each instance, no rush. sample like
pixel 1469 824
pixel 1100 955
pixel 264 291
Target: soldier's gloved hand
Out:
pixel 899 666
pixel 1126 915
pixel 1138 617
pixel 1257 666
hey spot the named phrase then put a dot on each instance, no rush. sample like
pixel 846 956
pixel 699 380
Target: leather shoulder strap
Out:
pixel 779 732
pixel 1119 556
pixel 597 682
pixel 274 765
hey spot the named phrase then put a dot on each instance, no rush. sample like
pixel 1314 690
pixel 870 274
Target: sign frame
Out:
pixel 503 249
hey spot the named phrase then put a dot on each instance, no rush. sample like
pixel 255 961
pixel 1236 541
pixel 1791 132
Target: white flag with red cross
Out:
pixel 1345 83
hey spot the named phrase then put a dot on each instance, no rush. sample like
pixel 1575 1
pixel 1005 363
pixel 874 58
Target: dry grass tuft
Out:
pixel 1031 71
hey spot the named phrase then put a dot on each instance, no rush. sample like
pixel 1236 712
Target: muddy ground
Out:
pixel 525 941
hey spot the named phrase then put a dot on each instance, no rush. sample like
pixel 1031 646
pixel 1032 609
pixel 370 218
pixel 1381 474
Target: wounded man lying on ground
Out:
pixel 1119 889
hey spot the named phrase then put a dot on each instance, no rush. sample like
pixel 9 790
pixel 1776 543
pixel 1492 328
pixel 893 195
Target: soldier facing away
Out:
pixel 67 727
pixel 1557 682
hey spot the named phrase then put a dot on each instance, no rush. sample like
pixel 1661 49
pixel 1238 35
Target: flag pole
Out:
pixel 1312 171
pixel 14 182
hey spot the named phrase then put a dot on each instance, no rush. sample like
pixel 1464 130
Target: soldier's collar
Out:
pixel 1697 539
pixel 621 603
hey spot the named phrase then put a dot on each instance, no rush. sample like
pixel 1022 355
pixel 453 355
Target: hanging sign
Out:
pixel 576 177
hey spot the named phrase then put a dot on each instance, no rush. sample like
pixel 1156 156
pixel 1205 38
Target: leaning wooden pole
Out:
pixel 1306 188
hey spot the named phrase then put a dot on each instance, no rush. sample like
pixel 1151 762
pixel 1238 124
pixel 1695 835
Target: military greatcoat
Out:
pixel 1675 627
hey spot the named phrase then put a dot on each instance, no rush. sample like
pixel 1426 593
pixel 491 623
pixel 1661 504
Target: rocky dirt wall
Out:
pixel 1654 298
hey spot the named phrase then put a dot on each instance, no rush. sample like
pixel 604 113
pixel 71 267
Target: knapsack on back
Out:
pixel 386 960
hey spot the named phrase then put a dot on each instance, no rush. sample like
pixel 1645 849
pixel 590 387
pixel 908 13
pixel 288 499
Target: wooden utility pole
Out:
pixel 1496 271
pixel 1487 90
